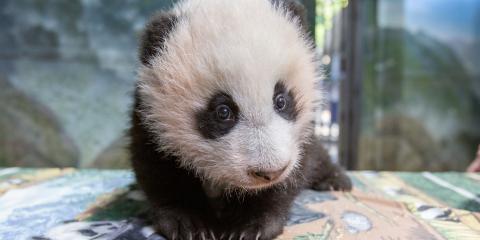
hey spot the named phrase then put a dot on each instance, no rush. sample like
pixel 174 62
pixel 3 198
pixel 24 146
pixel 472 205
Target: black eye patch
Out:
pixel 284 102
pixel 219 117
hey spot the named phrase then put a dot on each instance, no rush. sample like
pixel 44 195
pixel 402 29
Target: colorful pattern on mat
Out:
pixel 68 204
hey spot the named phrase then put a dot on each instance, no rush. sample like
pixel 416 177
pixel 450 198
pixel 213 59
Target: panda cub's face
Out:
pixel 256 141
pixel 232 92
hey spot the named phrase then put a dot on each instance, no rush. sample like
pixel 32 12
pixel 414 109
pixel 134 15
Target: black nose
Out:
pixel 267 175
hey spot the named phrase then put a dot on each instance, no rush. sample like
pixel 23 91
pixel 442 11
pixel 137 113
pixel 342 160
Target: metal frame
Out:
pixel 350 95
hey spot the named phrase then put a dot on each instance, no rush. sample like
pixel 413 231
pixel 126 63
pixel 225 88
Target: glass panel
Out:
pixel 66 68
pixel 328 36
pixel 421 84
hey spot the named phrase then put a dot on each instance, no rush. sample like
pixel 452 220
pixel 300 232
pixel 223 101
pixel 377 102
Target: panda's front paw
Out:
pixel 336 181
pixel 179 225
pixel 256 230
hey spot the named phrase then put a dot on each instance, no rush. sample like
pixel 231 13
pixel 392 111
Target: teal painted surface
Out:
pixel 448 196
pixel 32 210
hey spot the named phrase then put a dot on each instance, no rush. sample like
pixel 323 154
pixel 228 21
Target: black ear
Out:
pixel 155 34
pixel 296 9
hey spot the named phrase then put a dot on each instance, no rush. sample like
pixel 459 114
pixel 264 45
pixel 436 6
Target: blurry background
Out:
pixel 401 75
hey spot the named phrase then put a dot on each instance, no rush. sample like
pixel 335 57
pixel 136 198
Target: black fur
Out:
pixel 181 207
pixel 155 34
pixel 290 111
pixel 207 122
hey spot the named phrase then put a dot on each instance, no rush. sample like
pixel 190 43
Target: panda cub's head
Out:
pixel 229 88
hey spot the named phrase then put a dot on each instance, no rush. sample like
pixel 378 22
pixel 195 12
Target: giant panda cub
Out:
pixel 222 131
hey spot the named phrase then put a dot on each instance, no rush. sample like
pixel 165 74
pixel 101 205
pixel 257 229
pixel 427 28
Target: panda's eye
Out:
pixel 280 102
pixel 224 113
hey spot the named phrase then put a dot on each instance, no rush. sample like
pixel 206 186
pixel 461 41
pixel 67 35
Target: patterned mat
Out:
pixel 68 204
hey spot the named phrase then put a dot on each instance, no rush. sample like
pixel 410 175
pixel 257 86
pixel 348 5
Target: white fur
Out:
pixel 241 47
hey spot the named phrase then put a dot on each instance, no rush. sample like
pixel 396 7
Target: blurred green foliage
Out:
pixel 325 11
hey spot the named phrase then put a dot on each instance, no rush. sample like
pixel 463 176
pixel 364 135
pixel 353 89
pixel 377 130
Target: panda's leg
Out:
pixel 321 173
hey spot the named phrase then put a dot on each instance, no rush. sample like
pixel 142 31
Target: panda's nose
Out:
pixel 267 176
